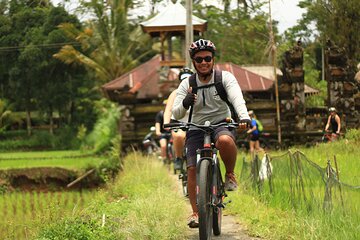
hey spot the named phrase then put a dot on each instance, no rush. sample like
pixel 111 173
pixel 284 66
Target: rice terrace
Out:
pixel 82 86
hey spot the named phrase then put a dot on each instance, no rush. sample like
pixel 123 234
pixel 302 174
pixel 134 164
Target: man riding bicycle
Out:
pixel 208 106
pixel 178 136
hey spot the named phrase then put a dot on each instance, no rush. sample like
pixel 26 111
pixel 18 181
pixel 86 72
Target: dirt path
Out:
pixel 230 228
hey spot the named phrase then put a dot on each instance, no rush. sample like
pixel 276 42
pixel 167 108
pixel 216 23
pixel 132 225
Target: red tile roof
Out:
pixel 142 80
pixel 248 81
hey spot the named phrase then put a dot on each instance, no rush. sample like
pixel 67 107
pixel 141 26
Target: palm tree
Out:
pixel 7 117
pixel 110 45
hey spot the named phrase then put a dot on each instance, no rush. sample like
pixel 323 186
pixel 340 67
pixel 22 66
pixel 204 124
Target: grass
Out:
pixel 23 213
pixel 68 163
pixel 140 204
pixel 275 217
pixel 41 154
pixel 65 159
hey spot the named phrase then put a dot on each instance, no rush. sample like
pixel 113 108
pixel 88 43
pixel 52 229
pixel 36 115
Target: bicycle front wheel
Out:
pixel 204 201
pixel 217 210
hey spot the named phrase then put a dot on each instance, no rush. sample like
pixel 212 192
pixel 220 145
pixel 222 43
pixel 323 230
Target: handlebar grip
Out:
pixel 170 125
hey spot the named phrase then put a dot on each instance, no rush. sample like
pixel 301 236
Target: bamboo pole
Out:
pixel 189 38
pixel 273 58
pixel 80 178
pixel 338 178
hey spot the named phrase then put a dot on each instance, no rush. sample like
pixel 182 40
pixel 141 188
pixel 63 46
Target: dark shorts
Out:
pixel 254 137
pixel 195 140
pixel 165 135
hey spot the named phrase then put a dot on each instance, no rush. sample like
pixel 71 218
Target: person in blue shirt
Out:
pixel 255 134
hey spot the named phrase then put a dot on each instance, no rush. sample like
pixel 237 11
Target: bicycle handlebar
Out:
pixel 185 126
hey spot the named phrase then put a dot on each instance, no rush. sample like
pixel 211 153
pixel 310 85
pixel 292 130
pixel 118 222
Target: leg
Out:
pixel 257 146
pixel 194 140
pixel 228 152
pixel 252 147
pixel 179 143
pixel 192 187
pixel 225 143
pixel 163 143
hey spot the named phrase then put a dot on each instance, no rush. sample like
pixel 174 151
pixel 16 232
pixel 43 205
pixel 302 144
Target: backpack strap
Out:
pixel 193 84
pixel 223 94
pixel 219 88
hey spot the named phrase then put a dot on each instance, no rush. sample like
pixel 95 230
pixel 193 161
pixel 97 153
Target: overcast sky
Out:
pixel 286 12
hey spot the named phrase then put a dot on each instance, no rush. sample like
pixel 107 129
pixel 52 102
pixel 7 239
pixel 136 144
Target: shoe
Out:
pixel 194 220
pixel 177 163
pixel 230 182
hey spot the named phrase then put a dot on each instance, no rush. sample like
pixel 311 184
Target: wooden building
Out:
pixel 170 23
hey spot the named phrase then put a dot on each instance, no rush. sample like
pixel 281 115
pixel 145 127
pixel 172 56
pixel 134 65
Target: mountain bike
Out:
pixel 210 190
pixel 170 154
pixel 183 174
pixel 328 136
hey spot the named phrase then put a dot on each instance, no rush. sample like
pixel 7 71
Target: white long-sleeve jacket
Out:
pixel 209 106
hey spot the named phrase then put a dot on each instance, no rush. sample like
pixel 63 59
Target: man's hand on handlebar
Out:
pixel 244 124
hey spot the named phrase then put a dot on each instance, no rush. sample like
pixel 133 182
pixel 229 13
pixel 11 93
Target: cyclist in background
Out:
pixel 255 134
pixel 179 135
pixel 333 122
pixel 161 133
pixel 208 106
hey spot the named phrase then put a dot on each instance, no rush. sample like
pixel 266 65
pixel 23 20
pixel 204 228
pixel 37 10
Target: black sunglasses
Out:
pixel 201 59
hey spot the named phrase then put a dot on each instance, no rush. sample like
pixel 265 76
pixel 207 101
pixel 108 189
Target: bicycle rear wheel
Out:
pixel 204 201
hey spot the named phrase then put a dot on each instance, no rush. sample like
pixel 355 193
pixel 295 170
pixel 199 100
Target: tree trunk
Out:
pixel 51 118
pixel 28 122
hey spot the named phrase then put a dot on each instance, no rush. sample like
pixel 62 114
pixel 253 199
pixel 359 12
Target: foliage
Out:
pixel 273 216
pixel 105 128
pixel 108 31
pixel 24 213
pixel 78 163
pixel 7 118
pixel 64 138
pixel 129 208
pixel 248 40
pixel 30 77
pixel 312 78
pixel 353 135
pixel 77 229
pixel 336 20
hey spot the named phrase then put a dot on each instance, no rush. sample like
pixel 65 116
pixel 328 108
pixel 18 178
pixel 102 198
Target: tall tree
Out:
pixel 241 37
pixel 29 75
pixel 337 20
pixel 110 46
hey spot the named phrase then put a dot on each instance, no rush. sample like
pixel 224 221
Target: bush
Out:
pixel 63 139
pixel 353 134
pixel 76 229
pixel 105 129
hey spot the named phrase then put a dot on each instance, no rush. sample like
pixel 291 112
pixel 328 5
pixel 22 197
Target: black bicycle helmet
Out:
pixel 201 45
pixel 184 73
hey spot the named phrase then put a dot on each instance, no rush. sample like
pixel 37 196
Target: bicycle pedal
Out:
pixel 225 203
